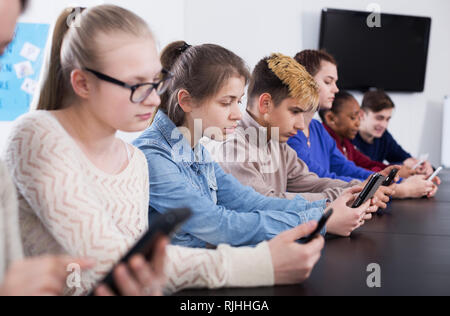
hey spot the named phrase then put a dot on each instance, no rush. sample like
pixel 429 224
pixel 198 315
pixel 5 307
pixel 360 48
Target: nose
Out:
pixel 153 100
pixel 358 122
pixel 235 114
pixel 336 89
pixel 300 123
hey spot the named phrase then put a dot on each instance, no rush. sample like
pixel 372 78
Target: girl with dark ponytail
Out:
pixel 203 100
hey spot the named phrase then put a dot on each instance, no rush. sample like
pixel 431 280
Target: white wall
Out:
pixel 251 28
pixel 255 28
pixel 417 122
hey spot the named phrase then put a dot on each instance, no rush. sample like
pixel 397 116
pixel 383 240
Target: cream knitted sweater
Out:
pixel 68 206
pixel 10 245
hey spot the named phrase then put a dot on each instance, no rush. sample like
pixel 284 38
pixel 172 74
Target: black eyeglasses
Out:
pixel 139 92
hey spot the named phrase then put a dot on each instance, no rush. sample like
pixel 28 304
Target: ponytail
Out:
pixel 169 56
pixel 55 88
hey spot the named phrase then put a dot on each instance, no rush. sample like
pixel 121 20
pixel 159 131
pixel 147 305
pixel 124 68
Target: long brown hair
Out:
pixel 201 70
pixel 74 46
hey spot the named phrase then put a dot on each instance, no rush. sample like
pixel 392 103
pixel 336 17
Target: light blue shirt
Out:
pixel 224 211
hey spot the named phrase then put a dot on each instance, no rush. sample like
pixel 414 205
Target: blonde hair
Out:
pixel 74 46
pixel 301 84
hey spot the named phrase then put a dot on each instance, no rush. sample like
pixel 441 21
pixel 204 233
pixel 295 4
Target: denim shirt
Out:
pixel 224 211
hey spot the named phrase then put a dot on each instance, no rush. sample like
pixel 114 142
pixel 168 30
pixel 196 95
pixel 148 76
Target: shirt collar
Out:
pixel 181 149
pixel 248 121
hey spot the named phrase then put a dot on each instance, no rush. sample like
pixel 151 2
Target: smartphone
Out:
pixel 369 191
pixel 323 221
pixel 165 225
pixel 435 174
pixel 391 177
pixel 423 158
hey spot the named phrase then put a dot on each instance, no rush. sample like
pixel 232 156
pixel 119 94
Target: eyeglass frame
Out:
pixel 167 76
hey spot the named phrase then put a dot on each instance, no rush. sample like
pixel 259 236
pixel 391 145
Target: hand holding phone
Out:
pixel 390 178
pixel 323 221
pixel 164 225
pixel 422 160
pixel 435 174
pixel 369 190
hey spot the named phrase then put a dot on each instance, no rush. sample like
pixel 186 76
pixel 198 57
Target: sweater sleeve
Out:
pixel 11 246
pixel 300 179
pixel 340 164
pixel 314 165
pixel 213 269
pixel 47 174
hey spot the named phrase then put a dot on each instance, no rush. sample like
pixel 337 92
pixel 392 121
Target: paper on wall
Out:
pixel 23 69
pixel 30 51
pixel 29 86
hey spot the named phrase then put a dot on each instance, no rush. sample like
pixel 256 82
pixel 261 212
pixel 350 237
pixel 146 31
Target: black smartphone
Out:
pixel 323 221
pixel 369 191
pixel 164 225
pixel 391 177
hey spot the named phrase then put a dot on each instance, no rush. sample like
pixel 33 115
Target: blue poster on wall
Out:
pixel 20 68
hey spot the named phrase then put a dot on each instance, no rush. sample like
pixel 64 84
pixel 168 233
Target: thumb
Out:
pixel 300 231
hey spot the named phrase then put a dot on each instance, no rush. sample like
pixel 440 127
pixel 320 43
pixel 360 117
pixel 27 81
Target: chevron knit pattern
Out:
pixel 68 206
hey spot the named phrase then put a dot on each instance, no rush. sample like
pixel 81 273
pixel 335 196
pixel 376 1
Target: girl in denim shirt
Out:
pixel 203 100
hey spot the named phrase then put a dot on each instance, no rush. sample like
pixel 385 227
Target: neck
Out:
pixel 368 138
pixel 259 118
pixel 308 118
pixel 94 135
pixel 189 130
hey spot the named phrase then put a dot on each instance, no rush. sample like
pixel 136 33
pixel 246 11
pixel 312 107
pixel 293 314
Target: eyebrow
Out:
pixel 233 97
pixel 144 79
pixel 296 108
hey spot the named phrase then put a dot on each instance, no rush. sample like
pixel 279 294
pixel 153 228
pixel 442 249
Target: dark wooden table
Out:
pixel 410 242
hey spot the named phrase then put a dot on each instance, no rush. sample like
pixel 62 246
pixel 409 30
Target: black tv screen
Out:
pixel 392 57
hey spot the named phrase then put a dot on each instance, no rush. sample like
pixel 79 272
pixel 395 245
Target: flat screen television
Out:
pixel 392 57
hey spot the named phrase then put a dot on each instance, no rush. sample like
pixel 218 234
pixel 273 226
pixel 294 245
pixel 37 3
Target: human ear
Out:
pixel 80 83
pixel 185 100
pixel 330 118
pixel 265 102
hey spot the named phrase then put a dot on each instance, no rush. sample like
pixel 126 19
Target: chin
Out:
pixel 378 134
pixel 326 106
pixel 135 128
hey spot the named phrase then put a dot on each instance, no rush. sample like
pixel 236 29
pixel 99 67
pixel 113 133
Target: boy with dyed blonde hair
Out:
pixel 257 154
pixel 280 91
